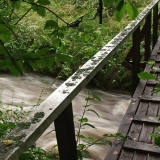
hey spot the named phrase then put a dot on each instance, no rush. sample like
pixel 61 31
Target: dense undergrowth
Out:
pixel 77 44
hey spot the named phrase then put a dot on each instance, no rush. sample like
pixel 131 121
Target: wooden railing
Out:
pixel 57 107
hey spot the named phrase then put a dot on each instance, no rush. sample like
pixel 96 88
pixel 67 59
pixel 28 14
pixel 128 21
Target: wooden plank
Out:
pixel 153 157
pixel 127 120
pixel 147 119
pixel 142 109
pixel 153 109
pixel 148 90
pixel 158 55
pixel 151 83
pixel 135 131
pixel 140 156
pixel 126 155
pixel 145 133
pixel 150 98
pixel 65 133
pixel 141 146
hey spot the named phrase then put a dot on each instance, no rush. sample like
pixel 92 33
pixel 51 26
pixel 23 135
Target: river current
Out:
pixel 31 89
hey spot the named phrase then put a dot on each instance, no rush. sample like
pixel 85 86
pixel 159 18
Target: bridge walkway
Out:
pixel 140 120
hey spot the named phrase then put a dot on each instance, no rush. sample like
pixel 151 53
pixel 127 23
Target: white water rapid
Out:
pixel 32 89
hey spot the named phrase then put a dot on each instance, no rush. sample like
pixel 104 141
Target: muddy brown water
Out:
pixel 32 89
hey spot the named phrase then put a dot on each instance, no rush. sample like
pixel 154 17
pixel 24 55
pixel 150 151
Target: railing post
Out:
pixel 136 58
pixel 155 25
pixel 65 133
pixel 100 11
pixel 147 38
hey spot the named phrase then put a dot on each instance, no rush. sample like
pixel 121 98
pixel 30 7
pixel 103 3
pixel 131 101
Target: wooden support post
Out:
pixel 136 58
pixel 155 25
pixel 100 11
pixel 65 133
pixel 147 37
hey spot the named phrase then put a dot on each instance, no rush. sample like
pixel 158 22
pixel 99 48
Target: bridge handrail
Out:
pixel 55 107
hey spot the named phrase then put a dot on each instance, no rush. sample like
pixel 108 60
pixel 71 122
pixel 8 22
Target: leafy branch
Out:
pixel 38 5
pixel 23 16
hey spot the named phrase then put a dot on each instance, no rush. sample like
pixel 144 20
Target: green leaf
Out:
pixel 108 3
pixel 24 156
pixel 81 136
pixel 56 42
pixel 146 76
pixel 89 98
pixel 83 120
pixel 3 51
pixel 131 9
pixel 49 61
pixel 62 48
pixel 42 51
pixel 93 112
pixel 85 154
pixel 81 146
pixel 87 124
pixel 79 155
pixel 151 62
pixel 5 34
pixel 44 2
pixel 85 37
pixel 5 63
pixel 153 135
pixel 97 98
pixel 16 68
pixel 156 89
pixel 51 24
pixel 157 141
pixel 40 10
pixel 15 4
pixel 63 57
pixel 120 11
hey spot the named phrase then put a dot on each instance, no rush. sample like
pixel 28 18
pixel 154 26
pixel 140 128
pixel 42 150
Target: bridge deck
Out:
pixel 140 120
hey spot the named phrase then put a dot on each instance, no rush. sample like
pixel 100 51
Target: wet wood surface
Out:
pixel 141 119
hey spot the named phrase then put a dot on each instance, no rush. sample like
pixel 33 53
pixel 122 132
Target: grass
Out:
pixel 80 49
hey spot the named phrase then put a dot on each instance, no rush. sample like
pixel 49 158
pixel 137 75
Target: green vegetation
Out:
pixel 48 46
pixel 83 142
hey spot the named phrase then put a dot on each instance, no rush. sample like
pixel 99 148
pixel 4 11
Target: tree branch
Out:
pixel 22 16
pixel 35 4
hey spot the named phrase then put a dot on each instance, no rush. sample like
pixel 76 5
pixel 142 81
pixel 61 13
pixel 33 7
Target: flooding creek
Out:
pixel 31 89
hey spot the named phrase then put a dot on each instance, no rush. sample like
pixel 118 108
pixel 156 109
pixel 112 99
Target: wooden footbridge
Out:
pixel 141 118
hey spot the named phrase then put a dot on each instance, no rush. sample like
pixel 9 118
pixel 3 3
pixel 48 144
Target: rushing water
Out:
pixel 32 89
